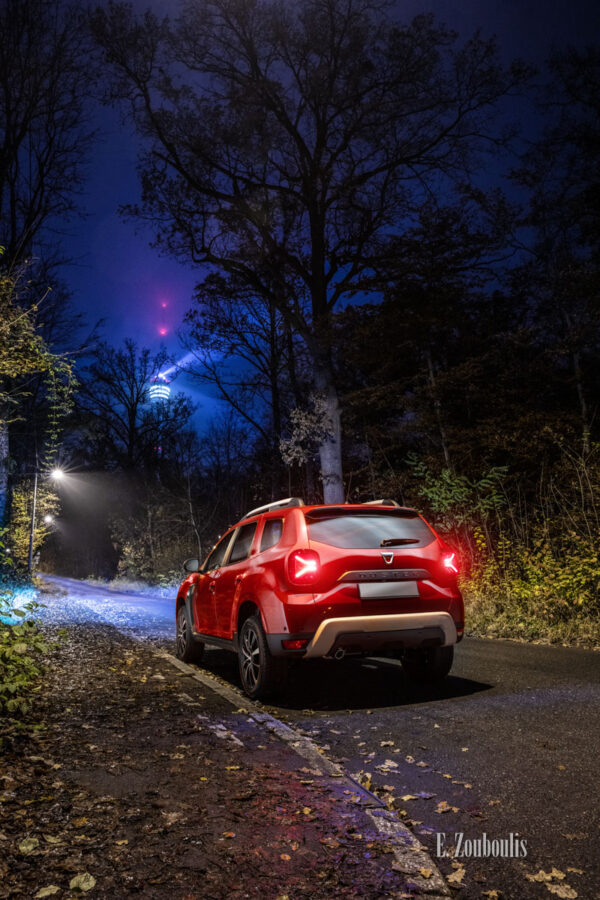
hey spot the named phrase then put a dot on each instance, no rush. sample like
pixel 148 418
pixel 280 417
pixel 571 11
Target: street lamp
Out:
pixel 48 519
pixel 56 475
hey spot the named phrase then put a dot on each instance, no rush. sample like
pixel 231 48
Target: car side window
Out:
pixel 215 558
pixel 271 533
pixel 243 542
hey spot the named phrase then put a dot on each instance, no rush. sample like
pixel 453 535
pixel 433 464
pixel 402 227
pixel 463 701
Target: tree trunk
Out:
pixel 438 412
pixel 579 385
pixel 330 451
pixel 4 484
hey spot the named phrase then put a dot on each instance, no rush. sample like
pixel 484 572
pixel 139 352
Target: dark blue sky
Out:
pixel 118 276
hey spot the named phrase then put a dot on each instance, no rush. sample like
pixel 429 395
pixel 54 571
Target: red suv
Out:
pixel 292 581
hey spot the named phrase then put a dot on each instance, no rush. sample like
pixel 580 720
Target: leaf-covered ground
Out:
pixel 144 783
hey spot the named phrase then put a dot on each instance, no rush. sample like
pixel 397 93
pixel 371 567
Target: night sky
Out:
pixel 120 278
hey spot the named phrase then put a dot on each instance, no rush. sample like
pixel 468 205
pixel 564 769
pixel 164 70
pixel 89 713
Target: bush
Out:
pixel 21 648
pixel 548 592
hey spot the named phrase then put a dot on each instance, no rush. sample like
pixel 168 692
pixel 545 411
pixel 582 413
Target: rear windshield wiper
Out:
pixel 396 542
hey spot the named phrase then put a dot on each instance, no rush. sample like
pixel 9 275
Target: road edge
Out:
pixel 410 855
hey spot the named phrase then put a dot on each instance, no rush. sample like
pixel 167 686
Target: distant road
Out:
pixel 137 614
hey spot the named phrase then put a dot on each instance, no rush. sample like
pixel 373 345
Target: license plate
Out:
pixel 390 590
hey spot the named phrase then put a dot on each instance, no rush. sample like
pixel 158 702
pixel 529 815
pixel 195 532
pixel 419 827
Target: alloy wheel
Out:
pixel 250 658
pixel 181 633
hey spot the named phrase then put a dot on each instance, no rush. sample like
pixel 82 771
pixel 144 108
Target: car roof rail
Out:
pixel 381 503
pixel 278 504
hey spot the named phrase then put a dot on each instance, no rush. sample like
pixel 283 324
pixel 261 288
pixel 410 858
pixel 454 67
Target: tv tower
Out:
pixel 159 389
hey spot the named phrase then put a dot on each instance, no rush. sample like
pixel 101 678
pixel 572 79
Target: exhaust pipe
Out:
pixel 339 653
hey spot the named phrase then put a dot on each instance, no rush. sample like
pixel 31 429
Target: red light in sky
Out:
pixel 164 304
pixel 162 331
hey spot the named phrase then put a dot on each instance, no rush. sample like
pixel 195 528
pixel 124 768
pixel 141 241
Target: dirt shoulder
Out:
pixel 151 785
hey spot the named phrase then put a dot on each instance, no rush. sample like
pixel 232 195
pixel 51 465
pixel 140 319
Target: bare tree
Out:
pixel 45 78
pixel 283 141
pixel 125 428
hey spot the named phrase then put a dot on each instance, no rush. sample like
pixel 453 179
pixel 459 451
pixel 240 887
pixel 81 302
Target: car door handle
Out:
pixel 211 587
pixel 238 579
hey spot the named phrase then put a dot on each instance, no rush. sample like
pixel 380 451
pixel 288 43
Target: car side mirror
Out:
pixel 191 565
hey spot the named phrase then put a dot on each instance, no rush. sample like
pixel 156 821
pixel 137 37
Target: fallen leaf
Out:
pixel 47 891
pixel 409 759
pixel 563 891
pixel 492 895
pixel 409 797
pixel 229 834
pixel 542 876
pixel 232 768
pixel 423 765
pixel 574 870
pixel 386 744
pixel 426 873
pixel 442 807
pixel 83 882
pixel 284 856
pixel 457 876
pixel 79 823
pixel 330 842
pixel 172 817
pixel 51 839
pixel 29 845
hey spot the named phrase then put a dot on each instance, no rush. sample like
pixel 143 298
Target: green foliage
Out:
pixel 527 572
pixel 22 647
pixel 456 500
pixel 537 593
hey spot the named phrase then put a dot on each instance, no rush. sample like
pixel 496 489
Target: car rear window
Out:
pixel 368 531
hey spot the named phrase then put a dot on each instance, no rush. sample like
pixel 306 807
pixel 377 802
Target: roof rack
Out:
pixel 278 504
pixel 381 503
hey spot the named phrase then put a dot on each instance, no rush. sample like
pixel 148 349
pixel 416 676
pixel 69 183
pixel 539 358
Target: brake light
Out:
pixel 304 566
pixel 450 563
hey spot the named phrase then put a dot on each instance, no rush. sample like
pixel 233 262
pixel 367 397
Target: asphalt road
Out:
pixel 509 744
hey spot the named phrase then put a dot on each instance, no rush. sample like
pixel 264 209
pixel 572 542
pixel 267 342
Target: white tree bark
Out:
pixel 330 451
pixel 4 450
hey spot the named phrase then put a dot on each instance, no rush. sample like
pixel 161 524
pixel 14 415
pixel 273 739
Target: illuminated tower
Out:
pixel 159 389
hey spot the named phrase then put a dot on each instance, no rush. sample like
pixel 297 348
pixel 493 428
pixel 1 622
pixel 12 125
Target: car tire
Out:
pixel 262 675
pixel 428 665
pixel 187 649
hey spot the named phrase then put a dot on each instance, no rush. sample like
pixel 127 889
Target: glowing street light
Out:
pixel 48 520
pixel 55 474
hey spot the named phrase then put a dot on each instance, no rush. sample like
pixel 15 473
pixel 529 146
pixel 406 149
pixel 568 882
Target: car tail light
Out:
pixel 451 563
pixel 304 566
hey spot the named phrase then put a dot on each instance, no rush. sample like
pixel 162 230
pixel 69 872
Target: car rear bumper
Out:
pixel 370 633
